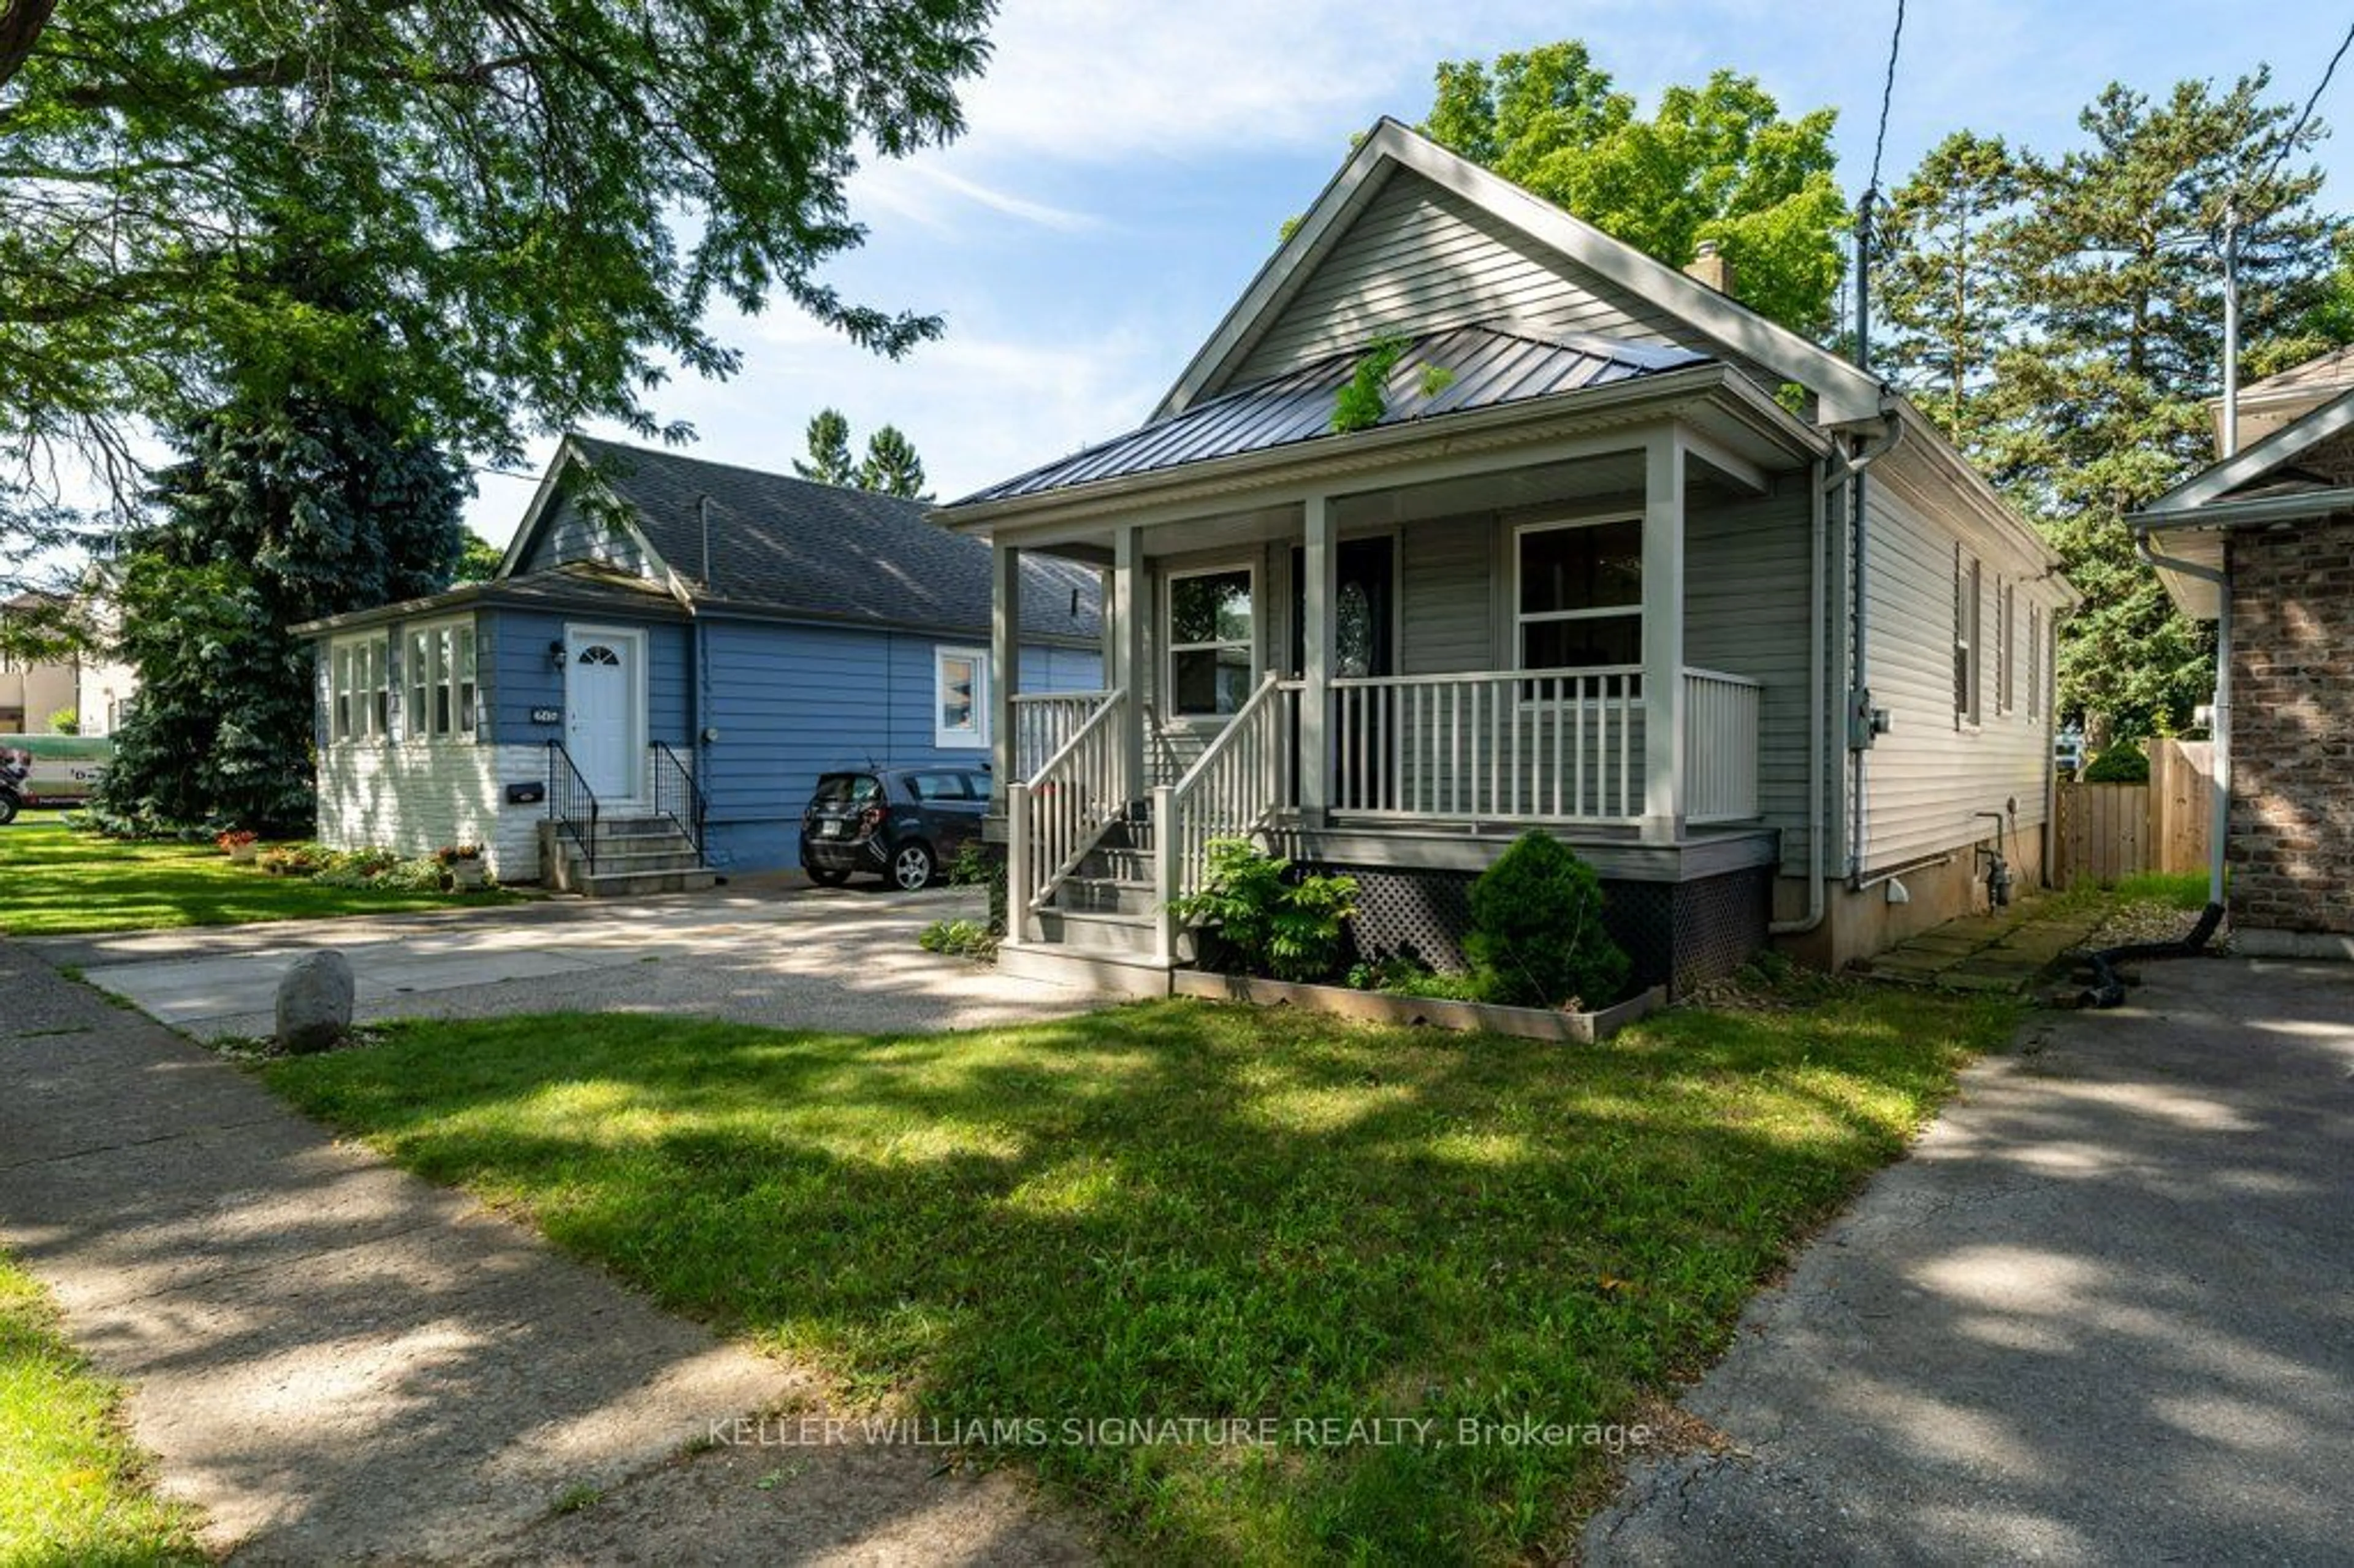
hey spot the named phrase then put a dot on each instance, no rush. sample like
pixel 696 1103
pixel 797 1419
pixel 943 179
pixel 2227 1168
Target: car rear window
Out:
pixel 847 789
pixel 938 786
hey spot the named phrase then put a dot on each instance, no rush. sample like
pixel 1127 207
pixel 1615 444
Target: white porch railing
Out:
pixel 1055 816
pixel 1719 747
pixel 1234 789
pixel 1562 746
pixel 1044 723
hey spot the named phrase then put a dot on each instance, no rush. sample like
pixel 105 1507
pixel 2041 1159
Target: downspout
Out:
pixel 2221 806
pixel 1818 677
pixel 1860 692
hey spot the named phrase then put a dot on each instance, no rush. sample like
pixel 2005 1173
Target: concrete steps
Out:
pixel 635 856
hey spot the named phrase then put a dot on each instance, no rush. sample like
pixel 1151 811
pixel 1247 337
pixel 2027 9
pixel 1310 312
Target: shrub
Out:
pixel 978 864
pixel 2124 763
pixel 1401 976
pixel 293 859
pixel 1537 938
pixel 966 938
pixel 1269 924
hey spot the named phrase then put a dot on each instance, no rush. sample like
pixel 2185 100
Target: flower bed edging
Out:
pixel 1382 1007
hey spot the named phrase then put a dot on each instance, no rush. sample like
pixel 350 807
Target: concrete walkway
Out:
pixel 337 1360
pixel 839 959
pixel 2003 951
pixel 2103 1315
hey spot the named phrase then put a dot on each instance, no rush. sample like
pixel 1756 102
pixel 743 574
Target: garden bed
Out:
pixel 1388 1007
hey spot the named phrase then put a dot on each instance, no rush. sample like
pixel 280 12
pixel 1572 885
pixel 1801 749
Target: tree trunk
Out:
pixel 21 24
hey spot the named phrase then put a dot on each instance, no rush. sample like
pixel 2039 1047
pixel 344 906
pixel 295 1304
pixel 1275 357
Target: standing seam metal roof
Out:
pixel 1485 366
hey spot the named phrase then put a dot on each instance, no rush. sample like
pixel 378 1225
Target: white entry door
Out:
pixel 603 718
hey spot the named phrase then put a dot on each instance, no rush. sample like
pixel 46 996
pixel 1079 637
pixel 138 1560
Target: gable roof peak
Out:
pixel 1847 395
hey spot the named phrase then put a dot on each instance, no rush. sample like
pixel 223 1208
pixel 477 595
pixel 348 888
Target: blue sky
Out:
pixel 1126 167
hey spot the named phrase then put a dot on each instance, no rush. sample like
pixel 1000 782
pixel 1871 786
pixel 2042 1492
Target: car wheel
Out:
pixel 7 809
pixel 911 865
pixel 825 878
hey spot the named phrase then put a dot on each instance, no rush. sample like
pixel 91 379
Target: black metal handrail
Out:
pixel 678 796
pixel 570 802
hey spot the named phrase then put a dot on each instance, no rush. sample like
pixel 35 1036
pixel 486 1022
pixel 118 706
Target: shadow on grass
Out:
pixel 1185 1211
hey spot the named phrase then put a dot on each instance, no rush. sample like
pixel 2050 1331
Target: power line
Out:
pixel 1887 95
pixel 2289 142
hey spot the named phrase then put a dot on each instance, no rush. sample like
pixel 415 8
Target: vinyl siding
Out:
pixel 1420 259
pixel 793 702
pixel 512 650
pixel 1746 611
pixel 1447 596
pixel 571 533
pixel 1926 778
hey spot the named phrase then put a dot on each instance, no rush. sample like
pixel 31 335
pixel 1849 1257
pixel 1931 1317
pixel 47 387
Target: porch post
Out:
pixel 1004 662
pixel 1663 636
pixel 1125 672
pixel 1321 565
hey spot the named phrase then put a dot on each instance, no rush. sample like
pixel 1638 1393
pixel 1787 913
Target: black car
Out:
pixel 900 823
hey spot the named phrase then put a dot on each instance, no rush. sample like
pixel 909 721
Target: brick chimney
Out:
pixel 1711 268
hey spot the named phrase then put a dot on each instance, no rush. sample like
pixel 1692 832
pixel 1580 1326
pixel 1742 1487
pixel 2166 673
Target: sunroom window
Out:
pixel 1213 646
pixel 360 698
pixel 1578 594
pixel 442 682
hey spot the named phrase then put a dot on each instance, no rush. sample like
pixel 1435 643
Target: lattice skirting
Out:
pixel 1679 935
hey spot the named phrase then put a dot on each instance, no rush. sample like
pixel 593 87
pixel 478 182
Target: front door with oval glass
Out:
pixel 603 718
pixel 1361 730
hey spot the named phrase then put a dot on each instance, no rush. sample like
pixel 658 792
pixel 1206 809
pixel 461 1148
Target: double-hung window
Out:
pixel 959 697
pixel 1968 580
pixel 1212 641
pixel 1578 594
pixel 442 682
pixel 359 694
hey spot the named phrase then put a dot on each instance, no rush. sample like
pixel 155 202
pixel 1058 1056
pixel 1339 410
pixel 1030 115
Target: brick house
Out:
pixel 2262 543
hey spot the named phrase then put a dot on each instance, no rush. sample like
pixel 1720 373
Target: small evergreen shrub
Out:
pixel 1268 924
pixel 1537 938
pixel 2124 763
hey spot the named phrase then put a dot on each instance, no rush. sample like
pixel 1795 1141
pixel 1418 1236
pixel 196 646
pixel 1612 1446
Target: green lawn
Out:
pixel 73 1488
pixel 1182 1211
pixel 54 881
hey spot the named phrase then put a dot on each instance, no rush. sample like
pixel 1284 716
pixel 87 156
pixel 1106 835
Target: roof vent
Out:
pixel 1711 268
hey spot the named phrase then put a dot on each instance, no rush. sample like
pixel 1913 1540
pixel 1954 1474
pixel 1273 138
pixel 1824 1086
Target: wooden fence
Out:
pixel 2111 830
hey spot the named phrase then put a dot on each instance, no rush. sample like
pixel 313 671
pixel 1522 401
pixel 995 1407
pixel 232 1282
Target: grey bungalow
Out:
pixel 669 655
pixel 1621 560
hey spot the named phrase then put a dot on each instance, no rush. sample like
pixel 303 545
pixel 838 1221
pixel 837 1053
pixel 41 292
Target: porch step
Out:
pixel 1085 893
pixel 1118 865
pixel 1087 931
pixel 640 883
pixel 624 856
pixel 1112 973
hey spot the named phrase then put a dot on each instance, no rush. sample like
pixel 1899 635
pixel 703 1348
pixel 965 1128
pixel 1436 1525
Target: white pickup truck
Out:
pixel 50 770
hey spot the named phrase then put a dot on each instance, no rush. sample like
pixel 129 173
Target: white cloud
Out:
pixel 927 193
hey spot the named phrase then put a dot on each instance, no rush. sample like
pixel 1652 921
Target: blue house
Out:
pixel 670 654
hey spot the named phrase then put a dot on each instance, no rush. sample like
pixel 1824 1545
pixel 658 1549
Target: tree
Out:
pixel 2099 404
pixel 829 448
pixel 540 200
pixel 892 466
pixel 274 514
pixel 1714 162
pixel 1943 282
pixel 478 560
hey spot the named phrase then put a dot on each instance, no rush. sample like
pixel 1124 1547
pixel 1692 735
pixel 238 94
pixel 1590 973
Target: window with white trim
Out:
pixel 2006 643
pixel 1968 581
pixel 442 682
pixel 1577 593
pixel 1212 641
pixel 2034 661
pixel 959 697
pixel 359 689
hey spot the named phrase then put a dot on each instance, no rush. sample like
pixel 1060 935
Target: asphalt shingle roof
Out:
pixel 1484 365
pixel 786 544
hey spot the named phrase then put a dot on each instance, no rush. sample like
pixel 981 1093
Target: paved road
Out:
pixel 2103 1315
pixel 337 1360
pixel 836 959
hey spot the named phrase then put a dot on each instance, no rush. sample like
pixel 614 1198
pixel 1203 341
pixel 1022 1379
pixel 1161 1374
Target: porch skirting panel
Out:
pixel 413 799
pixel 1677 934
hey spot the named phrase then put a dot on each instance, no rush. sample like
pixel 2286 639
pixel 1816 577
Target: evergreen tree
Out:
pixel 829 450
pixel 275 513
pixel 1942 281
pixel 892 466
